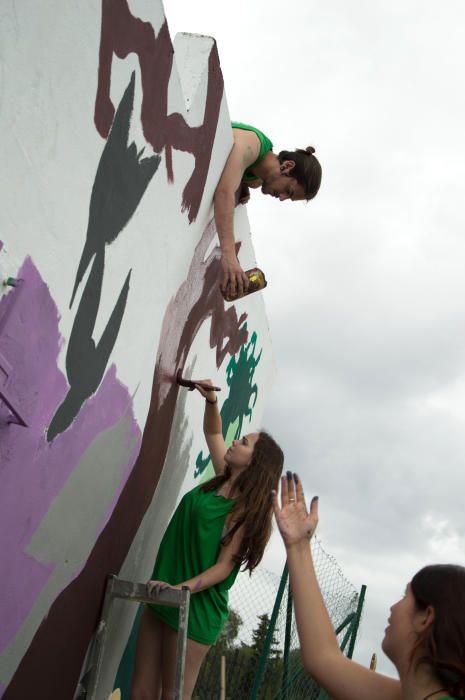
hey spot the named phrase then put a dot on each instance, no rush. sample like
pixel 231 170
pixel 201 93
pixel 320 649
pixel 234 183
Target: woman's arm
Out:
pixel 216 573
pixel 342 678
pixel 212 428
pixel 244 151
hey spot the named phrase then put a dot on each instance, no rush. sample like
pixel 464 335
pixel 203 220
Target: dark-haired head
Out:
pixel 441 645
pixel 252 491
pixel 307 169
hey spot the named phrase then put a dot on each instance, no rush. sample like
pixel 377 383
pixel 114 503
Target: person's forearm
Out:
pixel 208 578
pixel 316 632
pixel 224 203
pixel 212 424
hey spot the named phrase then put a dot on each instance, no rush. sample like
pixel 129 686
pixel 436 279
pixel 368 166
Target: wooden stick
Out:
pixel 223 679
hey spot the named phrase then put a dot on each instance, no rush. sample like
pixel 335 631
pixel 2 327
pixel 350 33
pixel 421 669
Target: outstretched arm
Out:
pixel 243 153
pixel 342 678
pixel 224 203
pixel 212 428
pixel 216 573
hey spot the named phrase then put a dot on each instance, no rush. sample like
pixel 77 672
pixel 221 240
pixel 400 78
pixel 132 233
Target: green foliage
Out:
pixel 241 663
pixel 259 637
pixel 229 632
pixel 241 398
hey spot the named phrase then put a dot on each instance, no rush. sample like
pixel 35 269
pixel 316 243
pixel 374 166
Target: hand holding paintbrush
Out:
pixel 203 385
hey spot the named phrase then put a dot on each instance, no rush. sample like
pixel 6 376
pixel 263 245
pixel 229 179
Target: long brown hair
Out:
pixel 253 507
pixel 442 586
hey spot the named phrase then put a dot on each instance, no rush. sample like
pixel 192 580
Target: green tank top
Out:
pixel 265 146
pixel 190 545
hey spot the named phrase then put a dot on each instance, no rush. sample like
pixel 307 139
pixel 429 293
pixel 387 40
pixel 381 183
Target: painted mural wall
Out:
pixel 112 140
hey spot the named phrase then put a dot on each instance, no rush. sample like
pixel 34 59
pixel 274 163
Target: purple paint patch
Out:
pixel 33 471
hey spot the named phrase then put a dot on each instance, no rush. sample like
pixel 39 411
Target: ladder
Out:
pixel 138 593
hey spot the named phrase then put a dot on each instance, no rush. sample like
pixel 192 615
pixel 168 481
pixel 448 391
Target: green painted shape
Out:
pixel 209 472
pixel 241 399
pixel 232 431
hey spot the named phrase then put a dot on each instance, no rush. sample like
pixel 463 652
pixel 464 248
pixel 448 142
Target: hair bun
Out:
pixel 310 150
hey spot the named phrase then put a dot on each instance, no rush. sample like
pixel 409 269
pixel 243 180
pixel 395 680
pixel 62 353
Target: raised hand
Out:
pixel 295 522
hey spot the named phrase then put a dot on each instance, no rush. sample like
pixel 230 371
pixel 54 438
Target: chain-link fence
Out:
pixel 259 643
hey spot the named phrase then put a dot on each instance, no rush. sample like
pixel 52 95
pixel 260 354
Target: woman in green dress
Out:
pixel 425 637
pixel 218 527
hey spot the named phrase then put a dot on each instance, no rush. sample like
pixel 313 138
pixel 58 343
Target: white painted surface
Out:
pixel 51 151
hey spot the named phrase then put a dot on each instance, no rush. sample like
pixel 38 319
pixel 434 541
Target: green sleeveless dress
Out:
pixel 190 545
pixel 265 146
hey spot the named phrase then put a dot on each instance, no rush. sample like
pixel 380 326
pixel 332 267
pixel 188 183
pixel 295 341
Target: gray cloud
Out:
pixel 366 295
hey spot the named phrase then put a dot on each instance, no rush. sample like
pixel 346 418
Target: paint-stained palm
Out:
pixel 295 522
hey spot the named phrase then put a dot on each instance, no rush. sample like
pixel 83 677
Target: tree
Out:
pixel 230 631
pixel 208 681
pixel 252 656
pixel 241 662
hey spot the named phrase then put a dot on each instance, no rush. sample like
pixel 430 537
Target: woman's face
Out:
pixel 401 632
pixel 241 451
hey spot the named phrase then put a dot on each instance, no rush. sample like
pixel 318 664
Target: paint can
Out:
pixel 257 282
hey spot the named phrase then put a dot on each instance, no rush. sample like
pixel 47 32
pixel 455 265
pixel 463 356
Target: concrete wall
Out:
pixel 112 140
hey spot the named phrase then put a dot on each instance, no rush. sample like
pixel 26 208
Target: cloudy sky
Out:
pixel 366 296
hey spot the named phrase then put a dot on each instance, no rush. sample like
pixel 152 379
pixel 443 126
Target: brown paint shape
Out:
pixel 121 34
pixel 53 662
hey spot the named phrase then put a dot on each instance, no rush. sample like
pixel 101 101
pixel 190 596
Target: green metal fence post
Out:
pixel 356 623
pixel 352 622
pixel 269 637
pixel 346 622
pixel 287 645
pixel 347 635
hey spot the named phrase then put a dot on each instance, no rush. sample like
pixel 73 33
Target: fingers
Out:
pixel 290 487
pixel 225 282
pixel 234 282
pixel 154 588
pixel 299 491
pixel 314 507
pixel 239 282
pixel 292 492
pixel 242 282
pixel 284 491
pixel 201 387
pixel 231 286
